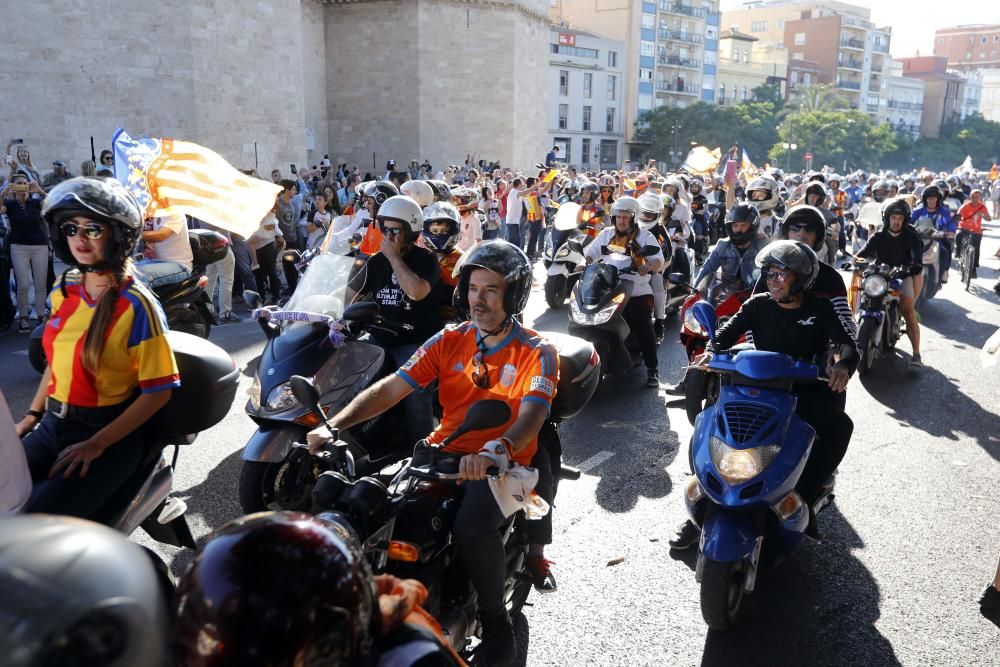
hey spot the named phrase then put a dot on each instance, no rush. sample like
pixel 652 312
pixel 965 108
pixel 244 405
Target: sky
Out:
pixel 913 21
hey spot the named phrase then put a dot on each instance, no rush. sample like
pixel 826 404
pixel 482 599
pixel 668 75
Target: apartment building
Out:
pixel 945 96
pixel 670 56
pixel 745 65
pixel 974 50
pixel 902 100
pixel 834 42
pixel 585 83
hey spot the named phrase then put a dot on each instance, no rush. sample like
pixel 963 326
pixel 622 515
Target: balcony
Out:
pixel 671 87
pixel 872 108
pixel 680 36
pixel 853 44
pixel 877 69
pixel 683 10
pixel 880 48
pixel 851 64
pixel 910 106
pixel 677 61
pixel 849 85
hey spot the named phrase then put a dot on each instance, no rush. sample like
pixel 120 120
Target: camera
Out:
pixel 20 187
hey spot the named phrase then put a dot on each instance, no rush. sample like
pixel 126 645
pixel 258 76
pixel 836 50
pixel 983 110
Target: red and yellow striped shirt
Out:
pixel 136 352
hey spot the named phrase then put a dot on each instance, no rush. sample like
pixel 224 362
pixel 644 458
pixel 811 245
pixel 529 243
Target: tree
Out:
pixel 973 136
pixel 833 137
pixel 820 97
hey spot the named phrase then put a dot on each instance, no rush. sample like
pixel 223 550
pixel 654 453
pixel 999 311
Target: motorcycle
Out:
pixel 880 317
pixel 342 361
pixel 727 293
pixel 869 221
pixel 748 451
pixel 186 305
pixel 564 251
pixel 597 311
pixel 931 259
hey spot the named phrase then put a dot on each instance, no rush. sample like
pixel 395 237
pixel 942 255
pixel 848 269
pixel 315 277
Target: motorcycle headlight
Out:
pixel 600 317
pixel 280 398
pixel 875 286
pixel 739 465
pixel 563 252
pixel 255 393
pixel 693 325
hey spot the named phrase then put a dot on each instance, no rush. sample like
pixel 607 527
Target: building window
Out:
pixel 588 85
pixel 609 151
pixel 563 116
pixel 586 118
pixel 647 49
pixel 564 144
pixel 800 38
pixel 585 151
pixel 648 21
pixel 645 101
pixel 798 55
pixel 563 83
pixel 806 78
pixel 645 74
pixel 746 55
pixel 722 93
pixel 611 120
pixel 577 51
pixel 612 59
pixel 744 93
pixel 612 84
pixel 758 26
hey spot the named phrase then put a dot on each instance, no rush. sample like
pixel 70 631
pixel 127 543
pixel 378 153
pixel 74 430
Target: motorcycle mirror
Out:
pixel 362 310
pixel 704 313
pixel 678 279
pixel 649 251
pixel 482 415
pixel 306 393
pixel 251 299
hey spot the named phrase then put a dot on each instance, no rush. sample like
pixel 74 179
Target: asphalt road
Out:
pixel 910 542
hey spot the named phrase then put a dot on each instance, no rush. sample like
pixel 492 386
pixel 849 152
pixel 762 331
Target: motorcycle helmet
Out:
pixel 880 190
pixel 696 186
pixel 379 191
pixel 895 206
pixel 793 256
pixel 466 199
pixel 504 259
pixel 650 207
pixel 818 189
pixel 102 200
pixel 418 191
pixel 278 589
pixel 442 191
pixel 441 211
pixel 832 179
pixel 591 190
pixel 816 176
pixel 669 204
pixel 766 185
pixel 742 213
pixel 932 191
pixel 677 184
pixel 806 216
pixel 628 205
pixel 78 593
pixel 403 209
pixel 943 186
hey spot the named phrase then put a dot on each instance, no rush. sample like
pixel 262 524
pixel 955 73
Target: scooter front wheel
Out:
pixel 555 291
pixel 268 486
pixel 721 593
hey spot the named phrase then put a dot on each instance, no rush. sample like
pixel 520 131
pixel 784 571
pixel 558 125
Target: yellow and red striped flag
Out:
pixel 170 177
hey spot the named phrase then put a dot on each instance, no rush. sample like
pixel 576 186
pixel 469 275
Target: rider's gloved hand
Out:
pixel 318 438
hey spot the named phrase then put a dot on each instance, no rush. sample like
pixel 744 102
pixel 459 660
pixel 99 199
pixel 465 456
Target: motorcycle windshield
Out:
pixel 321 288
pixel 597 282
pixel 723 286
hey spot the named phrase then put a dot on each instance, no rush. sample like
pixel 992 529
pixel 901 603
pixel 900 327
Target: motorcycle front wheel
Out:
pixel 721 593
pixel 866 342
pixel 268 486
pixel 555 291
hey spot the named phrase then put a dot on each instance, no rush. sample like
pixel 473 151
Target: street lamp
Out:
pixel 788 154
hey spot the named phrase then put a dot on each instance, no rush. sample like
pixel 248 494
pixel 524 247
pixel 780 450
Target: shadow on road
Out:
pixel 953 323
pixel 819 608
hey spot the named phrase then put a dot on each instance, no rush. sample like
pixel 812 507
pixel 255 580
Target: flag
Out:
pixel 701 161
pixel 169 177
pixel 550 176
pixel 747 168
pixel 965 166
pixel 994 173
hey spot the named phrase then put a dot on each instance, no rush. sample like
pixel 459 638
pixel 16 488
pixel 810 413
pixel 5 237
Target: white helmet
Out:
pixel 765 184
pixel 678 184
pixel 628 205
pixel 405 210
pixel 650 207
pixel 418 191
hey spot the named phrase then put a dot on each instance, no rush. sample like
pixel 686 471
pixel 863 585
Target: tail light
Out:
pixel 403 551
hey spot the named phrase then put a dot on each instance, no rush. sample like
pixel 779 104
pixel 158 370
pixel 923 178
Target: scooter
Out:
pixel 564 251
pixel 748 451
pixel 929 234
pixel 186 305
pixel 316 337
pixel 880 317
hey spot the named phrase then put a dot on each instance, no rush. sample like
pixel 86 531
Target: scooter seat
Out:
pixel 169 291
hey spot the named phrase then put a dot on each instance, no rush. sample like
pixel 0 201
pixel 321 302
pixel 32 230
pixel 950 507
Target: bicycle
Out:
pixel 966 257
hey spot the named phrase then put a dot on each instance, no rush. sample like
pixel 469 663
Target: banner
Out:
pixel 169 177
pixel 701 161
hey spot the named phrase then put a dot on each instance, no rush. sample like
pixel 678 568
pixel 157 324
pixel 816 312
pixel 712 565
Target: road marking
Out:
pixel 595 460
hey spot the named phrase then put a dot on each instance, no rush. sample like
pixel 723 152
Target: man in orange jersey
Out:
pixel 489 357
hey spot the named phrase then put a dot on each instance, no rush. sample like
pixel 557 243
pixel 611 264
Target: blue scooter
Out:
pixel 748 451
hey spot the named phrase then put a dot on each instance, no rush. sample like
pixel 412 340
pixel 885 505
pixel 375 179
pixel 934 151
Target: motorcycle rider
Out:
pixel 333 610
pixel 699 224
pixel 674 187
pixel 651 207
pixel 971 216
pixel 762 194
pixel 817 196
pixel 899 244
pixel 86 442
pixel 373 194
pixel 792 320
pixel 491 356
pixel 590 218
pixel 626 237
pixel 440 234
pixel 400 278
pixel 934 208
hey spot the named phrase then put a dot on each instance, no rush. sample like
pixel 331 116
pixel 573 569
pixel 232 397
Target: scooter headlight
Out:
pixel 280 398
pixel 255 393
pixel 600 317
pixel 693 325
pixel 563 252
pixel 875 286
pixel 739 465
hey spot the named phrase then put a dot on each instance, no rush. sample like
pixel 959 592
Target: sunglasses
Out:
pixel 91 230
pixel 777 276
pixel 107 159
pixel 391 231
pixel 480 372
pixel 798 228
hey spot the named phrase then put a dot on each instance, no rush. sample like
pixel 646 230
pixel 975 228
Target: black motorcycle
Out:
pixel 186 305
pixel 880 317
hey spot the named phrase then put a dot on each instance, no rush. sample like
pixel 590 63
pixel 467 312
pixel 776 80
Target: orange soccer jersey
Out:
pixel 136 352
pixel 372 242
pixel 524 367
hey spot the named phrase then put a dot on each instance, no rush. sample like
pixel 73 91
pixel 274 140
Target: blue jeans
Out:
pixel 417 405
pixel 158 272
pixel 514 234
pixel 491 234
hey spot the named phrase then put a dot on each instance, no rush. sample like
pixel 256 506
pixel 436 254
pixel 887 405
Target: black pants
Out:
pixel 819 409
pixel 477 532
pixel 76 496
pixel 6 302
pixel 638 315
pixel 291 274
pixel 534 234
pixel 680 264
pixel 266 274
pixel 540 530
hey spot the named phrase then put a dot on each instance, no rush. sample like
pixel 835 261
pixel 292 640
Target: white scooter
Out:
pixel 563 253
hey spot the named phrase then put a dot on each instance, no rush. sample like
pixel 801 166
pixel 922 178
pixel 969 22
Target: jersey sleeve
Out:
pixel 428 268
pixel 543 376
pixel 425 365
pixel 157 367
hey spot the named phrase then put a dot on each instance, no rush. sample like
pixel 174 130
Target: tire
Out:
pixel 721 594
pixel 36 354
pixel 968 260
pixel 260 492
pixel 522 636
pixel 894 325
pixel 866 343
pixel 696 394
pixel 555 291
pixel 189 320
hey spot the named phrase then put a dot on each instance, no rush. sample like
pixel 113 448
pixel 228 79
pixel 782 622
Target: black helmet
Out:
pixel 78 593
pixel 742 213
pixel 806 216
pixel 793 256
pixel 380 191
pixel 277 588
pixel 932 190
pixel 504 259
pixel 103 200
pixel 441 211
pixel 441 190
pixel 882 186
pixel 816 188
pixel 592 189
pixel 895 206
pixel 696 186
pixel 943 186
